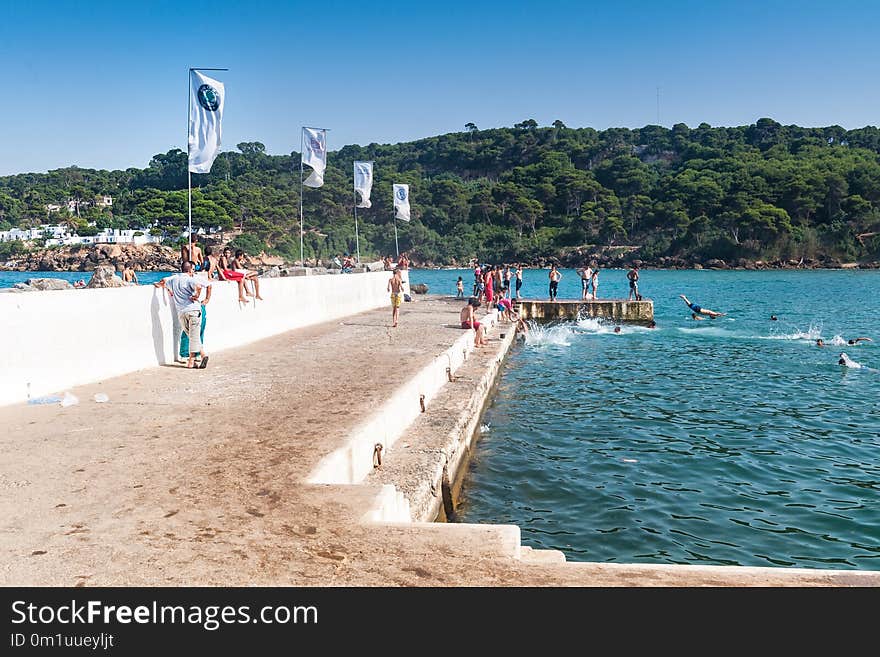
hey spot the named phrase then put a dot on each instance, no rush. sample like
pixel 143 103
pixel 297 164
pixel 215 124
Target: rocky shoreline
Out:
pixel 155 257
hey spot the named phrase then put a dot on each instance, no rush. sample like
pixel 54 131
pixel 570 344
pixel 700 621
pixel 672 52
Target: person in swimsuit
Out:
pixel 633 278
pixel 459 288
pixel 469 321
pixel 700 311
pixel 555 277
pixel 519 279
pixel 249 275
pixel 858 340
pixel 395 286
pixel 505 307
pixel 586 274
pixel 595 280
pixel 226 272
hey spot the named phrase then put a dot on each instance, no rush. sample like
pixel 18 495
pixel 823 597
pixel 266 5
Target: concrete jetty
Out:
pixel 618 310
pixel 220 476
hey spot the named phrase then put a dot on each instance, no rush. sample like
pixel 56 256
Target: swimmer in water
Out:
pixel 858 340
pixel 617 329
pixel 773 318
pixel 711 314
pixel 820 342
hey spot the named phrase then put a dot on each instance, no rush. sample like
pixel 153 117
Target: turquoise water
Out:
pixel 733 441
pixel 10 278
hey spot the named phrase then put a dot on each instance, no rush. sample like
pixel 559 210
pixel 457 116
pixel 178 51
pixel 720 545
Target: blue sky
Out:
pixel 103 84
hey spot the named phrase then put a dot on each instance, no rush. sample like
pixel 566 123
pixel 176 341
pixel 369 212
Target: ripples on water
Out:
pixel 734 441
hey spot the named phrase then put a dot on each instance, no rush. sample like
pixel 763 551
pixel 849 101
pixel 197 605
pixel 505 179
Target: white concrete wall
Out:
pixel 55 340
pixel 350 464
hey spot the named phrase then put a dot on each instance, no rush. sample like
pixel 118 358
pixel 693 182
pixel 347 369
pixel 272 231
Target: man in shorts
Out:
pixel 395 286
pixel 697 310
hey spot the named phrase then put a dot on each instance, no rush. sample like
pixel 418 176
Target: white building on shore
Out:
pixel 57 235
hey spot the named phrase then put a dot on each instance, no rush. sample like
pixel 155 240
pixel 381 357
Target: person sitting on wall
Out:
pixel 469 321
pixel 347 264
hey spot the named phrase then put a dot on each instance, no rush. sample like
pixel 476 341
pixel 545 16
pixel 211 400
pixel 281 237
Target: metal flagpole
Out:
pixel 188 172
pixel 301 146
pixel 356 240
pixel 396 247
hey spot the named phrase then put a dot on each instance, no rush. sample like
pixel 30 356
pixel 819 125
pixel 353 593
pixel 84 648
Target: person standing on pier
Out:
pixel 555 277
pixel 395 286
pixel 595 278
pixel 185 290
pixel 633 276
pixel 586 274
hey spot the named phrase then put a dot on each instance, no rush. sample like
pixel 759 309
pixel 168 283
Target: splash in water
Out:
pixel 554 334
pixel 813 333
pixel 848 362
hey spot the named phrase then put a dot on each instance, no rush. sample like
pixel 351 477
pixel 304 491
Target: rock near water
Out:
pixel 105 276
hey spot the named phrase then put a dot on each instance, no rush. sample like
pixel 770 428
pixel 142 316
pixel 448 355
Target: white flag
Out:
pixel 207 98
pixel 401 202
pixel 363 182
pixel 315 155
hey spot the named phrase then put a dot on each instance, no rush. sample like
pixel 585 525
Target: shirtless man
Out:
pixel 238 264
pixel 586 274
pixel 195 257
pixel 555 277
pixel 633 277
pixel 858 340
pixel 469 320
pixel 697 310
pixel 395 286
pixel 129 277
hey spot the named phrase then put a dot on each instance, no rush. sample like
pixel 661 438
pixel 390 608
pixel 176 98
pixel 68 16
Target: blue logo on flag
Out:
pixel 208 97
pixel 401 193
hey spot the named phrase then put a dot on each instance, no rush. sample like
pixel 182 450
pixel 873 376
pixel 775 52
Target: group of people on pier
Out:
pixel 198 272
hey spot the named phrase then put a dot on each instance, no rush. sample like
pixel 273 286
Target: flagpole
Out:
pixel 301 146
pixel 356 241
pixel 396 247
pixel 188 172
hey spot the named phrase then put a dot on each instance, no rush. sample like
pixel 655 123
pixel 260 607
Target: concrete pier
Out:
pixel 239 474
pixel 618 310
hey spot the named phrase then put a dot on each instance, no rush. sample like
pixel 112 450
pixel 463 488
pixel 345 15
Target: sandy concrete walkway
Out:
pixel 197 477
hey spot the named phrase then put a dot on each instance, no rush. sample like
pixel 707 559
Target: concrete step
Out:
pixel 531 555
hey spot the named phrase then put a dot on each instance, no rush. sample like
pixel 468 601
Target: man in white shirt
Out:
pixel 185 289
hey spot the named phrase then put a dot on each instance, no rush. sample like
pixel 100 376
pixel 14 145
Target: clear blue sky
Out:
pixel 103 84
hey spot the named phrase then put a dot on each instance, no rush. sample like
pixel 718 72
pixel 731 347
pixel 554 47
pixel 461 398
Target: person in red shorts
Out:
pixel 469 321
pixel 226 272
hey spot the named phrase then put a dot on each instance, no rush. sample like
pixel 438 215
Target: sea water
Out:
pixel 10 278
pixel 734 441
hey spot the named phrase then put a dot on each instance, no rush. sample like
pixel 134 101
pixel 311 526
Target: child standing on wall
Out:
pixel 459 287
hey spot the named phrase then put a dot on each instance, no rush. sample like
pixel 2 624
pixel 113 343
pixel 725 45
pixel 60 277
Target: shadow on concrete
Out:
pixel 156 306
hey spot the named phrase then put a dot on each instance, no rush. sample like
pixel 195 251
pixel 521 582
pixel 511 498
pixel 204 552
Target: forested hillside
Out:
pixel 763 191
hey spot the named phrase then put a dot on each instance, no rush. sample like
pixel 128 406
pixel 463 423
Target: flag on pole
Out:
pixel 363 182
pixel 401 202
pixel 315 155
pixel 207 98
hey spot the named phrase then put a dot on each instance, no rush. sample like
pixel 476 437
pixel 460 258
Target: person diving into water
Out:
pixel 697 310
